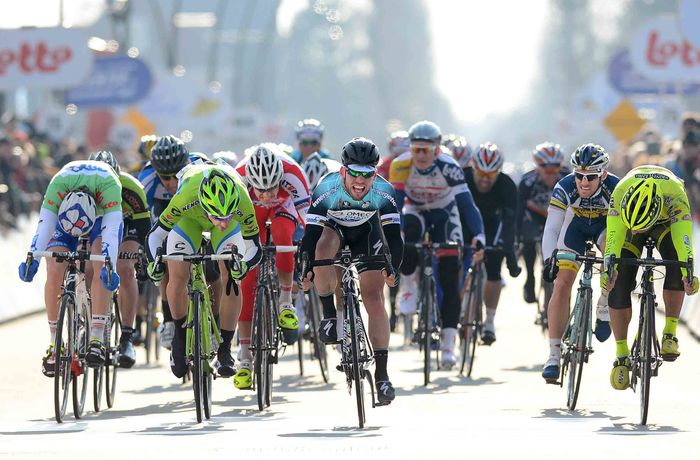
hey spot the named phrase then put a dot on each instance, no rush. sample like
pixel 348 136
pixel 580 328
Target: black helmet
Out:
pixel 425 131
pixel 107 157
pixel 169 155
pixel 360 151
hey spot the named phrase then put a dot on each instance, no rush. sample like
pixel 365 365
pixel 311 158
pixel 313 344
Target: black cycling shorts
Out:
pixel 365 239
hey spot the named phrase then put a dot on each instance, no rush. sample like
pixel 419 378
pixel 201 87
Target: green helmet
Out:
pixel 641 205
pixel 218 193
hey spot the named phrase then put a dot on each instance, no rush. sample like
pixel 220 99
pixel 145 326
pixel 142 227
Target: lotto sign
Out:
pixel 52 58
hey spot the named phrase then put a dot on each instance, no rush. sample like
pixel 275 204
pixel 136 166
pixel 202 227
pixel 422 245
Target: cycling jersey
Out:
pixel 498 209
pixel 571 219
pixel 188 219
pixel 293 189
pixel 675 212
pixel 332 205
pixel 299 158
pixel 100 181
pixel 435 188
pixel 137 219
pixel 154 188
pixel 530 224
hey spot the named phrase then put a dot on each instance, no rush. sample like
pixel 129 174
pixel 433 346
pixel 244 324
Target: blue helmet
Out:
pixel 590 157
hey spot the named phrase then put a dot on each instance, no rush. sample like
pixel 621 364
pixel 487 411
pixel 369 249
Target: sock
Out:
pixel 671 324
pixel 97 327
pixel 180 326
pixel 602 312
pixel 167 316
pixel 328 301
pixel 127 332
pixel 244 350
pixel 381 356
pixel 621 348
pixel 285 295
pixel 52 331
pixel 554 349
pixel 226 338
pixel 490 316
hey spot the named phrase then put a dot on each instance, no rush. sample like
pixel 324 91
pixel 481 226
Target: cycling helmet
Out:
pixel 107 157
pixel 360 151
pixel 462 152
pixel 398 142
pixel 488 158
pixel 218 193
pixel 315 168
pixel 547 154
pixel 309 128
pixel 264 168
pixel 590 157
pixel 425 131
pixel 226 157
pixel 169 155
pixel 147 143
pixel 76 215
pixel 641 205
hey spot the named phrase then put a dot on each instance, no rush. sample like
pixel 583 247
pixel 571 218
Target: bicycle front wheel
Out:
pixel 81 372
pixel 112 336
pixel 261 341
pixel 582 317
pixel 319 349
pixel 197 368
pixel 357 372
pixel 426 330
pixel 64 349
pixel 646 355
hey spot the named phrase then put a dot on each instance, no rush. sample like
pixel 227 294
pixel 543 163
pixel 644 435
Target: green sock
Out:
pixel 671 324
pixel 621 348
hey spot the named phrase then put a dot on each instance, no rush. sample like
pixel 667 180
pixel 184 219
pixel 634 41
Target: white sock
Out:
pixel 285 295
pixel 554 349
pixel 490 316
pixel 602 311
pixel 244 353
pixel 52 330
pixel 97 327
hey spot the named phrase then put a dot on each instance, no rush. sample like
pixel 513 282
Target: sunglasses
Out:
pixel 588 177
pixel 309 142
pixel 486 174
pixel 366 175
pixel 221 219
pixel 166 177
pixel 421 149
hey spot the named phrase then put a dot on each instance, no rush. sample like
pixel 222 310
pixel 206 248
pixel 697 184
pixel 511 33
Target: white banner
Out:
pixel 689 18
pixel 659 52
pixel 52 58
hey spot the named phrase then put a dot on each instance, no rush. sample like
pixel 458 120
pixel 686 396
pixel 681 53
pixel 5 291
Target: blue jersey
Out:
pixel 154 188
pixel 565 195
pixel 330 201
pixel 296 155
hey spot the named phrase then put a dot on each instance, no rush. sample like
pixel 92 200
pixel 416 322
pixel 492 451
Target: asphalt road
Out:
pixel 504 411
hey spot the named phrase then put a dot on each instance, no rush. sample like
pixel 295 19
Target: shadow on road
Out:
pixel 631 429
pixel 336 432
pixel 443 384
pixel 559 413
pixel 531 368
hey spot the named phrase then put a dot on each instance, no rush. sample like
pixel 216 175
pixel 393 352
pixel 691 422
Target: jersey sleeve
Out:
pixel 294 182
pixel 615 233
pixel 681 227
pixel 559 197
pixel 245 213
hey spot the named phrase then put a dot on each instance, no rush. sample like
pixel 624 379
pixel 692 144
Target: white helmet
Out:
pixel 488 158
pixel 315 168
pixel 264 168
pixel 226 157
pixel 76 215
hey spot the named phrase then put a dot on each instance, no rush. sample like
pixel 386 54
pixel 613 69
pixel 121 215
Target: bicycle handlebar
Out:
pixel 573 257
pixel 195 258
pixel 68 255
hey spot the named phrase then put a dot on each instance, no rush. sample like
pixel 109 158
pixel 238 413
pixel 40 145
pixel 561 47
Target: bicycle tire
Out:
pixel 472 327
pixel 357 372
pixel 426 308
pixel 149 342
pixel 582 319
pixel 64 350
pixel 81 322
pixel 208 371
pixel 273 343
pixel 645 355
pixel 98 385
pixel 300 355
pixel 112 356
pixel 319 349
pixel 197 371
pixel 260 342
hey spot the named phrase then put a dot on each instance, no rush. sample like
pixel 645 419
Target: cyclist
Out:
pixel 398 143
pixel 309 132
pixel 534 192
pixel 577 213
pixel 315 167
pixel 648 202
pixel 209 198
pixel 168 157
pixel 347 208
pixel 82 199
pixel 432 183
pixel 460 150
pixel 493 192
pixel 280 193
pixel 137 223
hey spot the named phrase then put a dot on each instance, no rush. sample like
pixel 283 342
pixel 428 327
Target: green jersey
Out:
pixel 134 204
pixel 94 177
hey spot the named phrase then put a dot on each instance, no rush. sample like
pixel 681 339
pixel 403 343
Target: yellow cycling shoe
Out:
pixel 288 317
pixel 620 375
pixel 669 348
pixel 243 379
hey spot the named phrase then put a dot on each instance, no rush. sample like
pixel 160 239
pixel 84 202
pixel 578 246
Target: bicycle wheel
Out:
pixel 357 372
pixel 81 372
pixel 645 354
pixel 300 355
pixel 197 370
pixel 475 323
pixel 209 325
pixel 271 321
pixel 260 341
pixel 112 334
pixel 582 317
pixel 319 349
pixel 149 342
pixel 64 348
pixel 426 332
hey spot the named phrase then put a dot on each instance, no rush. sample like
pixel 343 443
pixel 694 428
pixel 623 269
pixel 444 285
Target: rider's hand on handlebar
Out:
pixel 109 284
pixel 238 271
pixel 156 271
pixel 306 281
pixel 550 270
pixel 691 289
pixel 27 272
pixel 478 250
